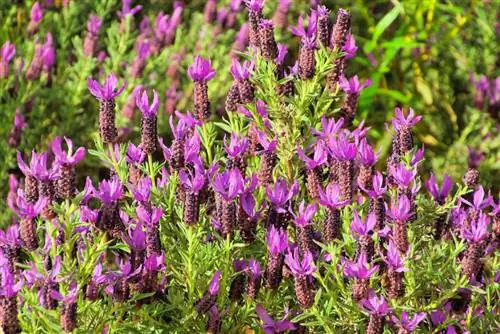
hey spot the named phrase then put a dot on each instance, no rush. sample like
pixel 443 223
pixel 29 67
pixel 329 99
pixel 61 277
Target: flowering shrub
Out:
pixel 272 211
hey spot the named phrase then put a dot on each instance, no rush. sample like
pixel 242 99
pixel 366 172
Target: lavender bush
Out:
pixel 240 190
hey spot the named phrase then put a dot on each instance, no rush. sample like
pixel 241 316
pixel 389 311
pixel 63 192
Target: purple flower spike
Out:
pixel 36 13
pixel 439 194
pixel 329 128
pixel 282 52
pixel 268 145
pixel 360 269
pixel 366 154
pixel 242 71
pixel 11 238
pixel 94 25
pixel 7 52
pixel 400 210
pixel 375 305
pixel 394 259
pixel 229 184
pixel 406 323
pixel 214 286
pixel 402 176
pixel 299 30
pixel 343 150
pixel 377 185
pixel 149 218
pixel 400 120
pixel 194 182
pixel 280 195
pixel 67 157
pixel 319 158
pixel 142 102
pixel 108 91
pixel 271 326
pixel 110 190
pixel 305 267
pixel 353 86
pixel 201 70
pixel 254 268
pixel 30 210
pixel 247 201
pixel 236 146
pixel 305 214
pixel 360 228
pixel 277 240
pixel 478 229
pixel 331 197
pixel 143 190
pixel 9 287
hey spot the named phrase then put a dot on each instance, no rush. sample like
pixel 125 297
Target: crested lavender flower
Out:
pixel 46 281
pixel 344 152
pixel 368 159
pixel 323 25
pixel 16 131
pixel 8 292
pixel 337 41
pixel 149 137
pixel 134 157
pixel 479 202
pixel 314 167
pixel 254 17
pixel 209 299
pixel 267 42
pixel 193 182
pixel 69 307
pixel 241 74
pixel 403 124
pixel 268 160
pixel 92 37
pixel 109 192
pixel 143 52
pixel 396 270
pixel 304 232
pixel 228 185
pixel 302 270
pixel 10 245
pixel 406 324
pixel 7 53
pixel 280 18
pixel 350 47
pixel 402 176
pixel 277 243
pixel 201 72
pixel 307 60
pixel 400 212
pixel 150 217
pixel 377 308
pixel 248 216
pixel 97 279
pixel 271 326
pixel 254 272
pixel 361 269
pixel 329 129
pixel 352 87
pixel 67 161
pixel 106 95
pixel 48 54
pixel 279 196
pixel 332 200
pixel 236 151
pixel 237 288
pixel 439 195
pixel 36 18
pixel 36 66
pixel 477 230
pixel 127 9
pixel 166 26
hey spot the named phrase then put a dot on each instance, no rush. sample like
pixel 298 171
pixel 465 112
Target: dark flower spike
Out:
pixel 254 278
pixel 149 137
pixel 302 270
pixel 271 326
pixel 407 324
pixel 377 308
pixel 209 299
pixel 9 289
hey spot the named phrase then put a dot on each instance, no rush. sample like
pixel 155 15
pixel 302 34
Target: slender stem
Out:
pixel 151 170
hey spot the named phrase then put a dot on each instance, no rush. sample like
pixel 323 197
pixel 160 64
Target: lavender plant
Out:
pixel 269 213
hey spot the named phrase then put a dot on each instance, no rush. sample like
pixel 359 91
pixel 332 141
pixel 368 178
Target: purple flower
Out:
pixel 143 49
pixel 282 52
pixel 330 128
pixel 394 259
pixel 418 157
pixel 366 154
pixel 70 297
pixel 110 190
pixel 48 52
pixel 108 90
pixel 9 287
pixel 94 25
pixel 38 167
pixel 299 30
pixel 439 194
pixel 406 323
pixel 477 230
pixel 214 285
pixel 271 326
pixel 255 5
pixel 475 157
pixel 375 305
pixel 11 238
pixel 280 195
pixel 305 267
pixel 352 85
pixel 135 154
pixel 360 269
pixel 277 240
pixel 7 52
pixel 360 228
pixel 267 145
pixel 36 13
pixel 479 202
pixel 142 102
pixel 192 149
pixel 400 210
pixel 88 191
pixel 127 9
pixel 149 217
pixel 143 190
pixel 319 158
pixel 254 268
pixel 193 181
pixel 331 197
pixel 350 47
pixel 228 184
pixel 242 72
pixel 88 215
pixel 305 214
pixel 247 201
pixel 236 146
pixel 400 120
pixel 402 176
pixel 67 158
pixel 201 70
pixel 343 150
